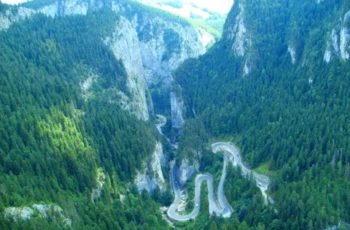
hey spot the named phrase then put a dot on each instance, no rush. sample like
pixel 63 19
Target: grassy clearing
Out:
pixel 264 168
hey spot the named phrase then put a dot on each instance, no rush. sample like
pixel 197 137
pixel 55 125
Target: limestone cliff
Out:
pixel 9 16
pixel 338 44
pixel 237 34
pixel 151 176
pixel 150 43
pixel 250 40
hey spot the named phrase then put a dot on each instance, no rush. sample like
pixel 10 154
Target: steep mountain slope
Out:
pixel 150 42
pixel 76 110
pixel 60 88
pixel 277 84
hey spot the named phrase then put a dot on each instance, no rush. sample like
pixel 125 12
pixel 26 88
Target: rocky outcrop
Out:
pixel 293 54
pixel 166 44
pixel 246 68
pixel 151 29
pixel 12 15
pixel 72 7
pixel 344 43
pixel 45 211
pixel 177 106
pixel 338 45
pixel 158 160
pixel 100 181
pixel 237 35
pixel 235 30
pixel 240 41
pixel 87 83
pixel 125 46
pixel 187 171
pixel 150 45
pixel 144 182
pixel 151 177
pixel 341 225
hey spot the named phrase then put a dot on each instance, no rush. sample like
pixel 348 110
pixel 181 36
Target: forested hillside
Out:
pixel 81 82
pixel 60 123
pixel 268 86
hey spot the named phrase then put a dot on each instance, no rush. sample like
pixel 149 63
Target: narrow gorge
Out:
pixel 130 114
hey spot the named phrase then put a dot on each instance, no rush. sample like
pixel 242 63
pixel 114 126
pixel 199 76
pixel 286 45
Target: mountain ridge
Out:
pixel 267 86
pixel 83 87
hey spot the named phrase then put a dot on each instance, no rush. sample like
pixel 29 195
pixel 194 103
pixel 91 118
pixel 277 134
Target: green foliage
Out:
pixel 123 142
pixel 292 116
pixel 146 11
pixel 193 139
pixel 53 138
pixel 213 24
pixel 246 200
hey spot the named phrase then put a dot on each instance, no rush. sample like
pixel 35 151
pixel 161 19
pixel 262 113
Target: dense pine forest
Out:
pixel 54 137
pixel 291 120
pixel 276 84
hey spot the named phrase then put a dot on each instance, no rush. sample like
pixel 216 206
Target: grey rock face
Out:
pixel 338 45
pixel 186 171
pixel 177 105
pixel 145 183
pixel 165 45
pixel 11 16
pixel 292 52
pixel 151 176
pixel 235 31
pixel 41 210
pixel 125 46
pixel 100 181
pixel 237 34
pixel 150 45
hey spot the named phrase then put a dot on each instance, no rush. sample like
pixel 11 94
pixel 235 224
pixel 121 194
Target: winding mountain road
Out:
pixel 261 181
pixel 217 205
